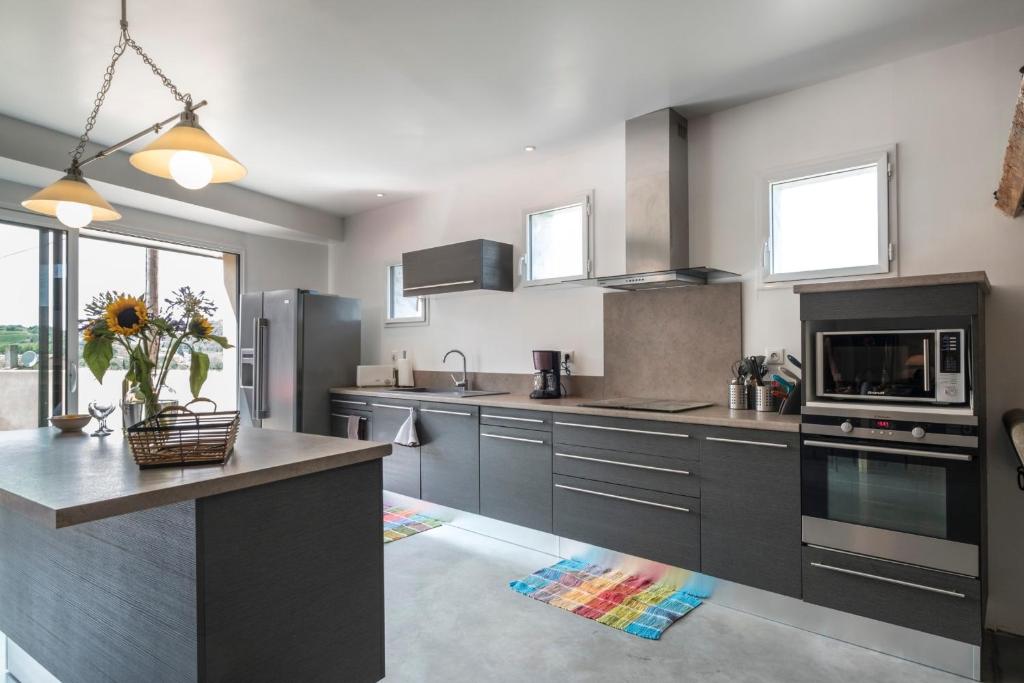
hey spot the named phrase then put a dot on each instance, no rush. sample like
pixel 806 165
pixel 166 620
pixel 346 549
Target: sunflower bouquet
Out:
pixel 151 340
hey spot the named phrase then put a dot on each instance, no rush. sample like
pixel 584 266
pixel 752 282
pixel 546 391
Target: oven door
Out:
pixel 908 504
pixel 892 365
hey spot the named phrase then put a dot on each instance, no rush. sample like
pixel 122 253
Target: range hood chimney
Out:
pixel 657 207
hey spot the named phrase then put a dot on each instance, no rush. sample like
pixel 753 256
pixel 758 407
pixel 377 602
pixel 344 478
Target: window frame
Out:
pixel 586 199
pixel 421 319
pixel 886 262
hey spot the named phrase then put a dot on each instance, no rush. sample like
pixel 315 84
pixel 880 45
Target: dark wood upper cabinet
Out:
pixel 461 267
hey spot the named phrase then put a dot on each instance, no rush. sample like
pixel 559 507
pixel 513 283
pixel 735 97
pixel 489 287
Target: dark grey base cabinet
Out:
pixel 402 467
pixel 944 604
pixel 750 514
pixel 515 476
pixel 450 455
pixel 658 526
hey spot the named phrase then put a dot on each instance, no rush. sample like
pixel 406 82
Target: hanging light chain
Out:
pixel 185 98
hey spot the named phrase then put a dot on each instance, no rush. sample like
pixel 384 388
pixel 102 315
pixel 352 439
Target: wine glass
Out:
pixel 101 410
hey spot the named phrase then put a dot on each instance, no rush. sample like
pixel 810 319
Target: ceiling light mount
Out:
pixel 186 153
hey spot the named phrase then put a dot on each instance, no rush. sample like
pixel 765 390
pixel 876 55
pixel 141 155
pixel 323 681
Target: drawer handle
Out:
pixel 622 429
pixel 347 416
pixel 517 419
pixel 351 403
pixel 439 284
pixel 886 579
pixel 511 438
pixel 385 405
pixel 445 412
pixel 622 464
pixel 748 443
pixel 631 500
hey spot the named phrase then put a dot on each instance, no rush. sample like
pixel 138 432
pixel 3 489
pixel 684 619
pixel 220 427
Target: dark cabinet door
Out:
pixel 402 467
pixel 515 476
pixel 450 455
pixel 750 501
pixel 465 266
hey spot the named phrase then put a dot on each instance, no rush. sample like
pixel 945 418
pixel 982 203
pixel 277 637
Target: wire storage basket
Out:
pixel 178 436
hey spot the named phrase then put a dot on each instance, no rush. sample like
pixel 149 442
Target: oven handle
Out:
pixel 961 457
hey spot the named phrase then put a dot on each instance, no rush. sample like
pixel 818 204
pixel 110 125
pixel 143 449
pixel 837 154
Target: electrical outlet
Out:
pixel 774 356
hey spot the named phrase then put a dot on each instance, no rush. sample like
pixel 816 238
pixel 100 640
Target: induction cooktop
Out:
pixel 648 404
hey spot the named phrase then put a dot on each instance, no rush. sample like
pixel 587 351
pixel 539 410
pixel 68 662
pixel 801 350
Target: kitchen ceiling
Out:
pixel 330 103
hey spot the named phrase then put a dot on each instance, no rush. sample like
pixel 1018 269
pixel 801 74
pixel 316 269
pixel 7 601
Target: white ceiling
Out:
pixel 329 102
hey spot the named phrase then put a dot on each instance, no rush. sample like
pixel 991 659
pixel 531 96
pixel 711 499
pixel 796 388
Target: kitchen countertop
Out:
pixel 717 415
pixel 66 479
pixel 978 277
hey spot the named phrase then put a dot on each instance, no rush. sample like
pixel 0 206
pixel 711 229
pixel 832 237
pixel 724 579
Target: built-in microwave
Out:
pixel 918 366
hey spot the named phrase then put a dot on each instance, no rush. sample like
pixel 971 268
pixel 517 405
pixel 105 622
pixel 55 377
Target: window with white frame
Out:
pixel 557 244
pixel 830 219
pixel 403 310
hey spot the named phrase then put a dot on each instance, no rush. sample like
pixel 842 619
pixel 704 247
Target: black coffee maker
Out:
pixel 547 381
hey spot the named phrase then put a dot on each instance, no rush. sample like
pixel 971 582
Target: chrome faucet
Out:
pixel 462 384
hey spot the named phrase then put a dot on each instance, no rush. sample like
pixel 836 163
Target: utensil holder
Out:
pixel 738 396
pixel 764 400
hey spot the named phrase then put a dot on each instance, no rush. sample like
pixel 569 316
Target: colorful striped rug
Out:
pixel 402 522
pixel 629 603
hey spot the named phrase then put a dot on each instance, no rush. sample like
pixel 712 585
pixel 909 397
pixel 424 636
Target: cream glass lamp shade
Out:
pixel 66 199
pixel 159 157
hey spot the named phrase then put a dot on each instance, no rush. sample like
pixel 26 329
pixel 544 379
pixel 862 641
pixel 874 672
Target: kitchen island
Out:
pixel 269 567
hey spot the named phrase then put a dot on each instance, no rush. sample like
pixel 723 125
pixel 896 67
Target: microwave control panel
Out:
pixel 950 378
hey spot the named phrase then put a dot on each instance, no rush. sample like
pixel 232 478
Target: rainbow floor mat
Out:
pixel 402 522
pixel 629 603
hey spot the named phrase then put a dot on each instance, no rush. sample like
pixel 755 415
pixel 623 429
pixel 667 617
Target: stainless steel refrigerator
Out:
pixel 295 345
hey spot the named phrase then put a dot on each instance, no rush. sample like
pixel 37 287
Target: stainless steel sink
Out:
pixel 453 393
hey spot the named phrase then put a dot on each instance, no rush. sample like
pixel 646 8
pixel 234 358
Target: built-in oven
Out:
pixel 914 366
pixel 899 489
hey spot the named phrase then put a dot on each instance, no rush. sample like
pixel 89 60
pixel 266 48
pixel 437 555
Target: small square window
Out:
pixel 557 242
pixel 829 220
pixel 402 310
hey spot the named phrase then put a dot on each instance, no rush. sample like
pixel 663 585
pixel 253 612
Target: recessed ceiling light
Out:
pixel 380 194
pixel 529 148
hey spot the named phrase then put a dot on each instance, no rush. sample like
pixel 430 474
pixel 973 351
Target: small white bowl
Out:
pixel 70 423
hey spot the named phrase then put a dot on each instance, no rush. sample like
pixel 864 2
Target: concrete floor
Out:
pixel 451 617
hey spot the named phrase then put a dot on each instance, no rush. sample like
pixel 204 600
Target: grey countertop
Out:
pixel 719 416
pixel 66 479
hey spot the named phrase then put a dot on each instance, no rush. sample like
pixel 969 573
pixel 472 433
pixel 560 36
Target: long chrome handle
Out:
pixel 516 419
pixel 351 403
pixel 631 500
pixel 962 457
pixel 622 464
pixel 511 438
pixel 347 416
pixel 439 284
pixel 385 405
pixel 622 429
pixel 927 370
pixel 445 412
pixel 886 579
pixel 259 326
pixel 748 443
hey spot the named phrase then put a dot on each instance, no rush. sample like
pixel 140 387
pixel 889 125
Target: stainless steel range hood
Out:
pixel 657 207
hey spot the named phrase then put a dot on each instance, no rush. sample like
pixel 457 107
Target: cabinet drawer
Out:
pixel 777 441
pixel 640 470
pixel 348 402
pixel 657 526
pixel 511 417
pixel 944 604
pixel 515 476
pixel 669 439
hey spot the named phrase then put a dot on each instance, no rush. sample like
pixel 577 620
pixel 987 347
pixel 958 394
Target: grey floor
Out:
pixel 451 617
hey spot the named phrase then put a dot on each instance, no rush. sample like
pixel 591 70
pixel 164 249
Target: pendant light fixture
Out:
pixel 186 153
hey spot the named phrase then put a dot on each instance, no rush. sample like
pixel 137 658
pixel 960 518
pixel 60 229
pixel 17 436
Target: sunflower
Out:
pixel 87 334
pixel 126 315
pixel 200 327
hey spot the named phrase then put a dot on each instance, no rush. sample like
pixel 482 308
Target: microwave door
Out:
pixel 883 366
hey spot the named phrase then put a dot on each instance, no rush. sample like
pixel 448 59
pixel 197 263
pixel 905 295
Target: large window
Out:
pixel 829 219
pixel 557 245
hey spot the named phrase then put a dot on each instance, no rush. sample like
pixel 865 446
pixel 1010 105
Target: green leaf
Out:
pixel 197 374
pixel 97 355
pixel 219 340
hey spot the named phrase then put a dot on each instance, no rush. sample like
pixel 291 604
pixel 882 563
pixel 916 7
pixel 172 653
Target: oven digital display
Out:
pixel 882 424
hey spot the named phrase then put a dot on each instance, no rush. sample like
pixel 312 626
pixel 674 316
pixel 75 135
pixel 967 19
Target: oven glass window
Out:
pixel 888 493
pixel 894 365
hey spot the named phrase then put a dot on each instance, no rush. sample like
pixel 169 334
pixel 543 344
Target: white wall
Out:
pixel 949 111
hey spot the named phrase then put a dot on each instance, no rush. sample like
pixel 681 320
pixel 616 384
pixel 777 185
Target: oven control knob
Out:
pixel 917 432
pixel 847 427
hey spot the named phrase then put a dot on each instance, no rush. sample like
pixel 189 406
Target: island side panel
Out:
pixel 291 579
pixel 111 600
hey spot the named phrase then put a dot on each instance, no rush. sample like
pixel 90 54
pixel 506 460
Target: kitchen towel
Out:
pixel 401 523
pixel 353 426
pixel 633 604
pixel 407 435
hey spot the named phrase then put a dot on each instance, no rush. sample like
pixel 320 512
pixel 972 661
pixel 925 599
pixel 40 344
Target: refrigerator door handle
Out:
pixel 259 368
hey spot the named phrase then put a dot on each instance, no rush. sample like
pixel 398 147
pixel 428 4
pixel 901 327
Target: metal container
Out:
pixel 738 396
pixel 764 401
